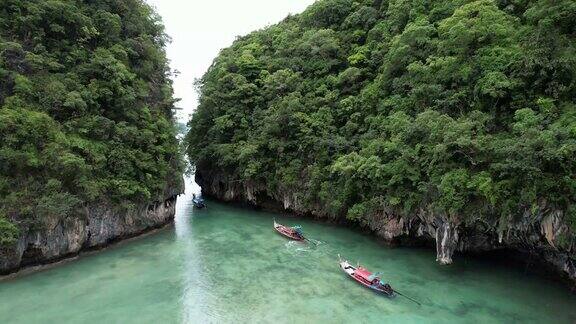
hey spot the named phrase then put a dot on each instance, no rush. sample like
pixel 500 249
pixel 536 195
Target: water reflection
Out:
pixel 196 299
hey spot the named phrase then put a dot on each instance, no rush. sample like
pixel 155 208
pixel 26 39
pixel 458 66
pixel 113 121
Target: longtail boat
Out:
pixel 367 278
pixel 198 201
pixel 294 233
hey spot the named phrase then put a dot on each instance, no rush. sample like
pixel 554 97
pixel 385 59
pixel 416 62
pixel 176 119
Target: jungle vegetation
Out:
pixel 85 109
pixel 466 108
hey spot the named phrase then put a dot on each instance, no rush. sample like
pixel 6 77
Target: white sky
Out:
pixel 201 28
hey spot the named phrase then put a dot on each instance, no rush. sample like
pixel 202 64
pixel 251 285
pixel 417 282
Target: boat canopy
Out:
pixel 375 275
pixel 297 229
pixel 361 272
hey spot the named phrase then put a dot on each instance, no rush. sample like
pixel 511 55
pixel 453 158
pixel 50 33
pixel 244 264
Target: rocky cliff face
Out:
pixel 540 235
pixel 97 226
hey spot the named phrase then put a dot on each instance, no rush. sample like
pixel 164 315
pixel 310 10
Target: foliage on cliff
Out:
pixel 463 107
pixel 85 108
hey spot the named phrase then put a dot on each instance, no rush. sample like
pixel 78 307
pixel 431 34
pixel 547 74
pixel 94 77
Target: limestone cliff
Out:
pixel 97 226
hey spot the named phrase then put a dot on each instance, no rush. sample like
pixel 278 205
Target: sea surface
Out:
pixel 226 264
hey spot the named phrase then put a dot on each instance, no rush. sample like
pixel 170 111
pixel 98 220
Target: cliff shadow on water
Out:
pixel 527 249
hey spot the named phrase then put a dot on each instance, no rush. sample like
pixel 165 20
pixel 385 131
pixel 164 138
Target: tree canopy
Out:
pixel 466 108
pixel 85 109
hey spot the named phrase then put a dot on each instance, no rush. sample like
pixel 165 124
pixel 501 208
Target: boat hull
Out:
pixel 286 232
pixel 351 271
pixel 198 203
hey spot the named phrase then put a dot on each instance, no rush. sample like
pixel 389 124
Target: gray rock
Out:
pixel 98 226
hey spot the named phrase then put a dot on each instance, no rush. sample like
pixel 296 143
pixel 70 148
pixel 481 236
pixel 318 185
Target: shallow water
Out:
pixel 226 265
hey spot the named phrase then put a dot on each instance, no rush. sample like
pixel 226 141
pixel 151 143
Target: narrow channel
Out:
pixel 227 264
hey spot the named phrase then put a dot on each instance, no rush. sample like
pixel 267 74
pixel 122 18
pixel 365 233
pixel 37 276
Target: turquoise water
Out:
pixel 227 265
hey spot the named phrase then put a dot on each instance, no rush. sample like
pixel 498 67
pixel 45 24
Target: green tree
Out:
pixel 463 108
pixel 85 109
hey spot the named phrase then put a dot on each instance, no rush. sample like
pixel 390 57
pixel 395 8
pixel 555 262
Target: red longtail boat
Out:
pixel 366 278
pixel 289 232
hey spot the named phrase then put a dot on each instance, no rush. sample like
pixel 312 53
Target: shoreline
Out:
pixel 506 257
pixel 67 258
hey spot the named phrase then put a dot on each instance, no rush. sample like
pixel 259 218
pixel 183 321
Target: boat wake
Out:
pixel 314 242
pixel 296 247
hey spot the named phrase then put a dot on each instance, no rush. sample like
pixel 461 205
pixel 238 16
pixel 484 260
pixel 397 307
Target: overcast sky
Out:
pixel 200 29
